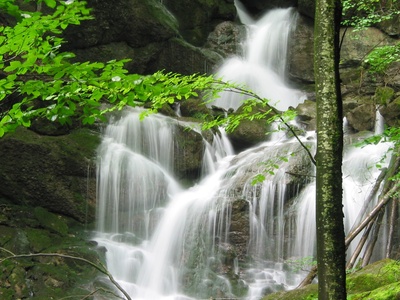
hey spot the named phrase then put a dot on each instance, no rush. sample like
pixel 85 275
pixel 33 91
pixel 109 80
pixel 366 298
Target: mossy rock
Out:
pixel 378 281
pixel 33 232
pixel 55 172
pixel 387 292
pixel 50 221
pixel 373 276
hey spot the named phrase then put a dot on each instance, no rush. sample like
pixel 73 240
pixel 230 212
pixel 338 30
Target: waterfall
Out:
pixel 262 69
pixel 229 235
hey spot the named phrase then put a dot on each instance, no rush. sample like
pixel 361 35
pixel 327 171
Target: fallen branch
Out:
pixel 392 220
pixel 309 278
pixel 371 244
pixel 385 199
pixel 372 215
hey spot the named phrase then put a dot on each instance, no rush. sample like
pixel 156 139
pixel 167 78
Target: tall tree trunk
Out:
pixel 329 215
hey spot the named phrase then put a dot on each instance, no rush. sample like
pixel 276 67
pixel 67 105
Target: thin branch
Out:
pixel 239 90
pixel 100 268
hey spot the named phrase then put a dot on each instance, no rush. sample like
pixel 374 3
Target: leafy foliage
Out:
pixel 39 80
pixel 366 13
pixel 380 58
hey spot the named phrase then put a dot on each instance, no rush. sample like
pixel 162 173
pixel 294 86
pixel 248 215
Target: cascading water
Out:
pixel 226 236
pixel 262 69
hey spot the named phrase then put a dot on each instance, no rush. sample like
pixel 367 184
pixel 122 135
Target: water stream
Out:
pixel 224 237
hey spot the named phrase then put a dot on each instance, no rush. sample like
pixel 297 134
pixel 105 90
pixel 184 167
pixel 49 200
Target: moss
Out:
pixel 378 281
pixel 373 276
pixel 387 292
pixel 383 95
pixel 158 12
pixel 51 221
pixel 309 292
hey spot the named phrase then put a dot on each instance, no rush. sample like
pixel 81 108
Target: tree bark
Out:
pixel 329 215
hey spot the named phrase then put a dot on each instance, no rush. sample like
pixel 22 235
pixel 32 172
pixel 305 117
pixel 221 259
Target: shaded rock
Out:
pixel 189 150
pixel 54 172
pixel 44 277
pixel 392 25
pixel 307 8
pixel 50 221
pixel 198 18
pixel 307 114
pixel 357 44
pixel 239 230
pixel 391 112
pixel 257 7
pixel 362 117
pixel 195 108
pixel 301 49
pixel 138 23
pixel 226 38
pixel 250 132
pixel 181 57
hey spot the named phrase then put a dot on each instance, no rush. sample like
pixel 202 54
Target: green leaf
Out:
pixel 14 65
pixel 50 3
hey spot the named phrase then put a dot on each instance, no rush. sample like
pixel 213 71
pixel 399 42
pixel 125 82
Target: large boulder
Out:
pixel 138 23
pixel 189 151
pixel 54 172
pixel 301 48
pixel 354 48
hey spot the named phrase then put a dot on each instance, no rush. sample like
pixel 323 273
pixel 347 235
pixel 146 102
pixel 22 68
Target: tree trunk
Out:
pixel 329 214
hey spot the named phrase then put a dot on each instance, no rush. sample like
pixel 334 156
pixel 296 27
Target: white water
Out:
pixel 263 67
pixel 167 242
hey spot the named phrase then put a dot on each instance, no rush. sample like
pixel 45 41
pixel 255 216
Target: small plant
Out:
pixel 302 264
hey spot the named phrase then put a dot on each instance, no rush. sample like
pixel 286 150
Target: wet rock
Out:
pixel 189 150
